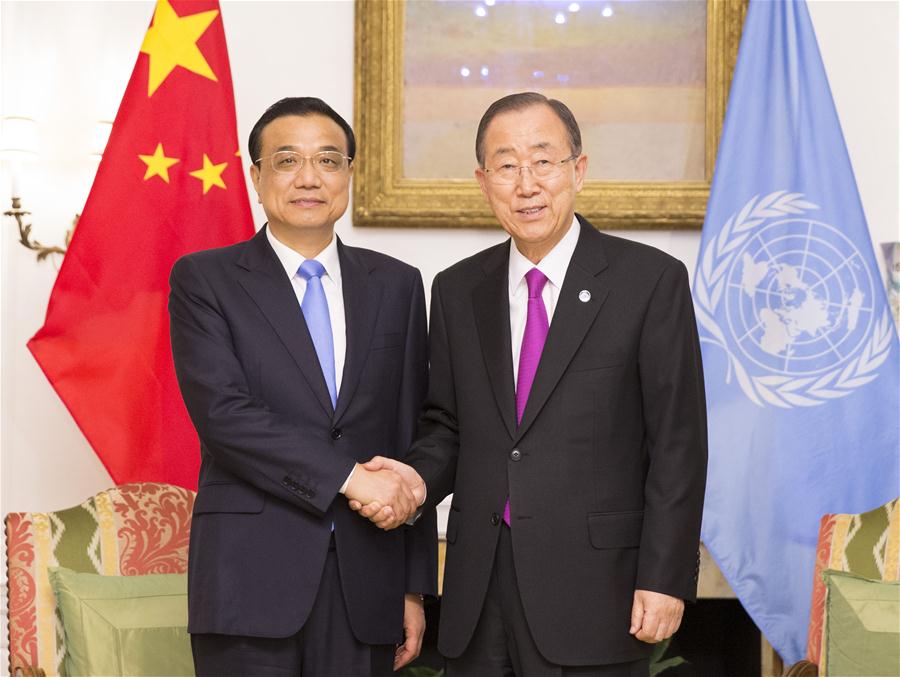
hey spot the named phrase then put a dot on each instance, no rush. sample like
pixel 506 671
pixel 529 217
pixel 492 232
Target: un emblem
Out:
pixel 790 300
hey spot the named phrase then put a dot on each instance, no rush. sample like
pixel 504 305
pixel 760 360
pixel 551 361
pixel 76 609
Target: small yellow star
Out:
pixel 158 164
pixel 172 41
pixel 210 174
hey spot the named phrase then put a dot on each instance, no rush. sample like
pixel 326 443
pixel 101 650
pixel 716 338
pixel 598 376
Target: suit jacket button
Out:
pixel 515 455
pixel 495 519
pixel 336 433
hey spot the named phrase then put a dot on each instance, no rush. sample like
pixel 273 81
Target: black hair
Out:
pixel 520 101
pixel 302 106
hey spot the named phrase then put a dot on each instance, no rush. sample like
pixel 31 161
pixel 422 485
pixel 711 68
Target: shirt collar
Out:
pixel 291 260
pixel 554 265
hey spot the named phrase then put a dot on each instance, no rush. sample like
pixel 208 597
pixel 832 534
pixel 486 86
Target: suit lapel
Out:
pixel 362 297
pixel 490 300
pixel 571 320
pixel 263 278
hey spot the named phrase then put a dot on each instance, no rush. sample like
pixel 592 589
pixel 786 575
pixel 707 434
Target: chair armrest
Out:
pixel 802 669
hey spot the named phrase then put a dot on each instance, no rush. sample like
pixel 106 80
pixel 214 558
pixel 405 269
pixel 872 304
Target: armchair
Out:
pixel 867 544
pixel 128 530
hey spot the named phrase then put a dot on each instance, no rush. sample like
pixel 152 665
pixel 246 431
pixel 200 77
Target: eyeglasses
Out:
pixel 289 162
pixel 542 169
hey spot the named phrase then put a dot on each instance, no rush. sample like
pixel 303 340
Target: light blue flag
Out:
pixel 800 351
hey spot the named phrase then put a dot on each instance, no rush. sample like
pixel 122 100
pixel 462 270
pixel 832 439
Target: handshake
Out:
pixel 385 491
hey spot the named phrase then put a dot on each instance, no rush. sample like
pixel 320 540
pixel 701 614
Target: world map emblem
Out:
pixel 792 302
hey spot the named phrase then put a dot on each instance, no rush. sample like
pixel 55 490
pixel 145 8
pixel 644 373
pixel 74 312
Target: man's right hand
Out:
pixel 381 514
pixel 385 488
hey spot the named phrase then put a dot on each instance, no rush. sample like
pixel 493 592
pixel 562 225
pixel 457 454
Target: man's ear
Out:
pixel 254 177
pixel 580 172
pixel 481 177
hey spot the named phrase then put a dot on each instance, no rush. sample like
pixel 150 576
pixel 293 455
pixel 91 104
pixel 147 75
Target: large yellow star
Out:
pixel 172 41
pixel 158 164
pixel 210 174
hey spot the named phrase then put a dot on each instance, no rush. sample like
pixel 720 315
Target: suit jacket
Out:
pixel 606 471
pixel 274 451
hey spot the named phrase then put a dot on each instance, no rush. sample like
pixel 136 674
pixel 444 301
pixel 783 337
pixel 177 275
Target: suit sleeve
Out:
pixel 434 453
pixel 238 430
pixel 421 538
pixel 674 409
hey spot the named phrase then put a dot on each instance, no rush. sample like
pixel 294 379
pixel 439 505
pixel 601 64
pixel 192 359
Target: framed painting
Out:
pixel 647 80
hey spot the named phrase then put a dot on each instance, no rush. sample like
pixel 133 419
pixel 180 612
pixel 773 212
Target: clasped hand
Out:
pixel 385 491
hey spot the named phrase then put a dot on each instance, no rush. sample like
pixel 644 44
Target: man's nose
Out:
pixel 526 184
pixel 307 176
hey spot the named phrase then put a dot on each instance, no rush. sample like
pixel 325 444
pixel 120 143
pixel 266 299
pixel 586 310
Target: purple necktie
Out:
pixel 536 328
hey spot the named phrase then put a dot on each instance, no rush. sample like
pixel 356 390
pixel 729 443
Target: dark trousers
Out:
pixel 324 647
pixel 502 645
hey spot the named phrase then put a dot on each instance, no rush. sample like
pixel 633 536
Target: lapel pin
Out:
pixel 584 296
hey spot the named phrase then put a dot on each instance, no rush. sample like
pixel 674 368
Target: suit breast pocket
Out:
pixel 384 363
pixel 386 341
pixel 589 394
pixel 228 497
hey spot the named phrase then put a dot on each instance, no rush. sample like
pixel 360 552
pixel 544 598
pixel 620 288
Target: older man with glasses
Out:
pixel 566 414
pixel 299 358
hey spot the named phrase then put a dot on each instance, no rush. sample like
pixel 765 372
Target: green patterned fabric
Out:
pixel 124 625
pixel 862 627
pixel 866 543
pixel 73 531
pixel 75 542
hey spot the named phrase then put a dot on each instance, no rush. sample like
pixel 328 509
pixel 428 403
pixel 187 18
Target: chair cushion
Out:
pixel 123 625
pixel 129 530
pixel 862 626
pixel 867 544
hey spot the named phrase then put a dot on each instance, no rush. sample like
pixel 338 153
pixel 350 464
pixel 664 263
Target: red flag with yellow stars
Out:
pixel 170 182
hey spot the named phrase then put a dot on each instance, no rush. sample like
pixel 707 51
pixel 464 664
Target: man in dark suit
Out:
pixel 566 413
pixel 298 358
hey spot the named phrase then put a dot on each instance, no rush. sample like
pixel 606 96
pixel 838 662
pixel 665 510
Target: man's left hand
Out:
pixel 655 616
pixel 413 629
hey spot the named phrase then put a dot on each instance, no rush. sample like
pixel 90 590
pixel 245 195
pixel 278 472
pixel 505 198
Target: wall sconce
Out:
pixel 18 145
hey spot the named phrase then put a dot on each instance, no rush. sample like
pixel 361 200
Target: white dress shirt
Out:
pixel 334 294
pixel 554 265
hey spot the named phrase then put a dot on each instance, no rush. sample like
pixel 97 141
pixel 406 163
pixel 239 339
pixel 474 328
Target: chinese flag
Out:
pixel 170 182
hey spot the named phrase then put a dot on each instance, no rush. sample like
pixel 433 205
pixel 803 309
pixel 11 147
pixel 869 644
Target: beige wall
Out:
pixel 66 64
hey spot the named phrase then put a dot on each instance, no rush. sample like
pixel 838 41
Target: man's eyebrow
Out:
pixel 543 145
pixel 321 149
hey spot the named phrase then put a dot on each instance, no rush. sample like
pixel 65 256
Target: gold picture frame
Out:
pixel 383 197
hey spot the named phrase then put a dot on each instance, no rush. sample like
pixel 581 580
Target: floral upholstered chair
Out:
pixel 128 530
pixel 868 545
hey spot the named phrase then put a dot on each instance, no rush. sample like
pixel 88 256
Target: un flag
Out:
pixel 799 348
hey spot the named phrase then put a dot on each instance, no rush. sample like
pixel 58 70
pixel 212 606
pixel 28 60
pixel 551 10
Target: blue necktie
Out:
pixel 315 312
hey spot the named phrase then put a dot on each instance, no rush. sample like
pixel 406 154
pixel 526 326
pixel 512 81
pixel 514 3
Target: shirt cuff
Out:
pixel 347 481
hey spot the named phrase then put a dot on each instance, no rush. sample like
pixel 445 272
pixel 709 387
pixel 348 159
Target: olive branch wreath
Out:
pixel 777 390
